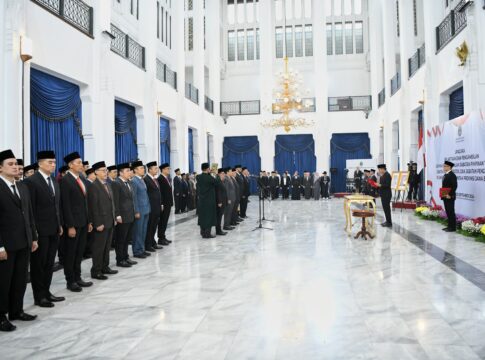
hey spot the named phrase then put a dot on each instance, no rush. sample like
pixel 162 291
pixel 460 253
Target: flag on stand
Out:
pixel 421 152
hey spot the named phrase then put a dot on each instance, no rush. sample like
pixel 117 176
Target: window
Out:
pixel 170 28
pixel 298 41
pixel 337 8
pixel 278 9
pixel 158 20
pixel 349 39
pixel 249 11
pixel 231 12
pixel 250 44
pixel 161 25
pixel 289 9
pixel 359 37
pixel 347 7
pixel 191 34
pixel 231 46
pixel 308 9
pixel 204 30
pixel 329 40
pixel 357 7
pixel 338 39
pixel 298 9
pixel 240 11
pixel 257 44
pixel 166 27
pixel 415 17
pixel 289 41
pixel 397 19
pixel 279 42
pixel 240 45
pixel 308 40
pixel 190 5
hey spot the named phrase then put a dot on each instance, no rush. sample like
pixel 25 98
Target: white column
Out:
pixel 321 135
pixel 4 132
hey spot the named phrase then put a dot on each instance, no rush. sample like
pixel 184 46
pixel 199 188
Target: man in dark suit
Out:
pixel 177 191
pixel 102 216
pixel 373 177
pixel 221 200
pixel 154 196
pixel 325 185
pixel 274 185
pixel 45 196
pixel 184 193
pixel 112 174
pixel 450 182
pixel 167 203
pixel 246 191
pixel 18 238
pixel 76 221
pixel 125 214
pixel 386 193
pixel 285 185
pixel 358 179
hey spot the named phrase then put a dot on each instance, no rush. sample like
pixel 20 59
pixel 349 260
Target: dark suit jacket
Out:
pixel 240 181
pixel 124 201
pixel 17 227
pixel 74 203
pixel 165 191
pixel 385 189
pixel 246 187
pixel 288 180
pixel 177 186
pixel 101 205
pixel 154 195
pixel 450 181
pixel 221 194
pixel 46 208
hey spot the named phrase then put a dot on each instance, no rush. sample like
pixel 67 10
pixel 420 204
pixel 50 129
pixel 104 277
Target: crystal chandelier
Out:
pixel 288 102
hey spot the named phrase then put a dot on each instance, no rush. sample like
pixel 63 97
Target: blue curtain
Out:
pixel 191 150
pixel 126 148
pixel 295 153
pixel 342 148
pixel 456 104
pixel 421 174
pixel 164 141
pixel 243 150
pixel 55 116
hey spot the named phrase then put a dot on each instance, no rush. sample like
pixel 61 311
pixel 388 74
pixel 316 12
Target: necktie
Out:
pixel 81 185
pixel 51 188
pixel 156 182
pixel 107 190
pixel 128 186
pixel 15 192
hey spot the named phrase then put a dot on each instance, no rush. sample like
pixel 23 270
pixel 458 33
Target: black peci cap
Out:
pixel 99 165
pixel 71 157
pixel 48 154
pixel 8 154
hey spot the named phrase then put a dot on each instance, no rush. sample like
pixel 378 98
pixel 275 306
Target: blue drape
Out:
pixel 55 116
pixel 191 150
pixel 344 147
pixel 421 174
pixel 457 107
pixel 164 141
pixel 126 149
pixel 243 150
pixel 295 153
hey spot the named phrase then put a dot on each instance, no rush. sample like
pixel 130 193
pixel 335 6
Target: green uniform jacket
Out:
pixel 206 205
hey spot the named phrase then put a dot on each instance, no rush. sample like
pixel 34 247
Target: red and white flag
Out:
pixel 421 151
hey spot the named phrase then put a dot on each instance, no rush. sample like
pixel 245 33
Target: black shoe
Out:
pixel 74 287
pixel 169 241
pixel 57 266
pixel 228 228
pixel 384 224
pixel 389 225
pixel 6 325
pixel 124 264
pixel 83 283
pixel 131 262
pixel 444 229
pixel 109 271
pixel 140 256
pixel 22 316
pixel 150 249
pixel 240 219
pixel 164 242
pixel 222 233
pixel 53 298
pixel 450 230
pixel 44 303
pixel 158 247
pixel 99 276
pixel 147 253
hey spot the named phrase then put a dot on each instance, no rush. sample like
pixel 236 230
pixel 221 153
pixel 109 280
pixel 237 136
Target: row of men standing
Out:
pixel 37 212
pixel 309 185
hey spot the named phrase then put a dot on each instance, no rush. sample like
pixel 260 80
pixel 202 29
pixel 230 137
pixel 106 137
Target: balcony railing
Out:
pixel 451 25
pixel 166 75
pixel 125 46
pixel 308 105
pixel 192 93
pixel 75 12
pixel 381 97
pixel 395 83
pixel 209 104
pixel 240 107
pixel 350 103
pixel 416 61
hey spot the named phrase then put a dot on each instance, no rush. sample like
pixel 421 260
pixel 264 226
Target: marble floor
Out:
pixel 303 290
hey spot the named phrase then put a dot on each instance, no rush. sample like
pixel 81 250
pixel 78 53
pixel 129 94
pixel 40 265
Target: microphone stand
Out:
pixel 261 218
